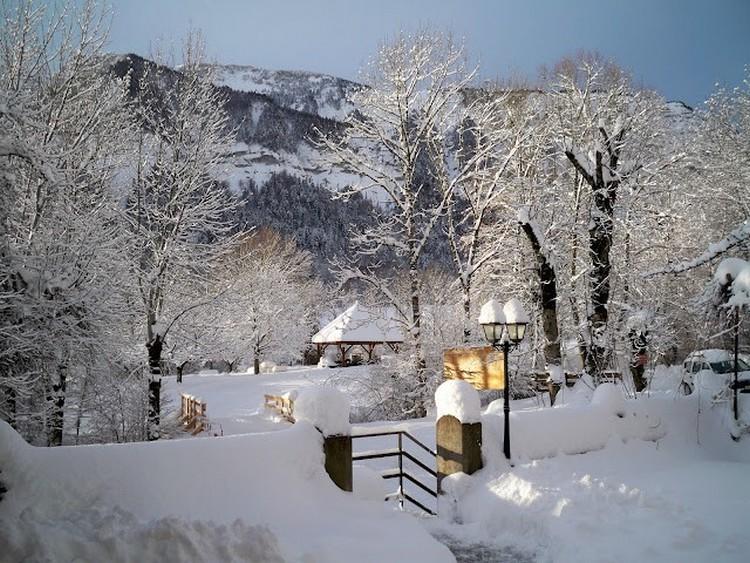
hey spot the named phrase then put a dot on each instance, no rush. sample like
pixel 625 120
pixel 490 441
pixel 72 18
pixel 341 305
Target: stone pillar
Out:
pixel 459 447
pixel 338 460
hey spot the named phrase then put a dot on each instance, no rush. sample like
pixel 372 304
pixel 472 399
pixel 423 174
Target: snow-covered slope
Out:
pixel 278 117
pixel 319 94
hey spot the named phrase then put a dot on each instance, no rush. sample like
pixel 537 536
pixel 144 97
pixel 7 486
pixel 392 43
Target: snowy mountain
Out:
pixel 320 94
pixel 679 114
pixel 275 167
pixel 276 124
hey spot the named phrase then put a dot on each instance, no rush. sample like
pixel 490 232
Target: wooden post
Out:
pixel 338 460
pixel 554 389
pixel 459 447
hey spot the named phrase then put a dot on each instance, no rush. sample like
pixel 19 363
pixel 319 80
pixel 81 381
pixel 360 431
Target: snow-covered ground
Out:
pixel 661 480
pixel 235 401
pixel 260 496
pixel 680 498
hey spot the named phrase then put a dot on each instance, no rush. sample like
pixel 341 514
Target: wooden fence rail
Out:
pixel 281 405
pixel 193 414
pixel 540 379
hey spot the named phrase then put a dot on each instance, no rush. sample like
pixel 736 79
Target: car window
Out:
pixel 727 366
pixel 722 367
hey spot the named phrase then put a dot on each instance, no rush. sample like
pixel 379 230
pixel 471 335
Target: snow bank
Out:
pixel 608 397
pixel 368 484
pixel 665 378
pixel 267 366
pixel 96 534
pixel 572 428
pixel 324 407
pixel 260 497
pixel 458 398
pixel 683 499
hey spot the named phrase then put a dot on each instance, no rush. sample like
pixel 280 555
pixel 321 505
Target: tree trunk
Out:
pixel 56 401
pixel 81 401
pixel 154 348
pixel 604 195
pixel 467 312
pixel 639 344
pixel 256 364
pixel 420 409
pixel 548 291
pixel 600 240
pixel 10 400
pixel 574 305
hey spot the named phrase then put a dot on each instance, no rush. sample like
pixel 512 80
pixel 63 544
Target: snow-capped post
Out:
pixel 458 429
pixel 733 278
pixel 505 326
pixel 328 409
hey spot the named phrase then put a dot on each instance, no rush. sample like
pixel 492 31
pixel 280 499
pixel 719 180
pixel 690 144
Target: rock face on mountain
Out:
pixel 275 167
pixel 319 94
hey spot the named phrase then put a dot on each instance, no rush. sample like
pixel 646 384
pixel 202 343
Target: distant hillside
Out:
pixel 320 94
pixel 275 167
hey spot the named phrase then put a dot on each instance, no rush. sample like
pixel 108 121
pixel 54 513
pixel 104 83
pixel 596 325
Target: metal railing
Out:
pixel 400 473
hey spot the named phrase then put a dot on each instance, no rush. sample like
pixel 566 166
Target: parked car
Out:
pixel 713 371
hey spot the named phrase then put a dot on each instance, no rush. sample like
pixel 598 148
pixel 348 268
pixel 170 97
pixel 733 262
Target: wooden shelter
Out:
pixel 361 327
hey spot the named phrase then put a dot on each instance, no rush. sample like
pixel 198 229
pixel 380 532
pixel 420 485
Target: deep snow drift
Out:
pixel 260 497
pixel 661 480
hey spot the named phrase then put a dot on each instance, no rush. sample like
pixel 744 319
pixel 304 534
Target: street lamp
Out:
pixel 504 327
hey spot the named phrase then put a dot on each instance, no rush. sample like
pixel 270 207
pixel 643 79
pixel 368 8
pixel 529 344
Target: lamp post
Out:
pixel 505 325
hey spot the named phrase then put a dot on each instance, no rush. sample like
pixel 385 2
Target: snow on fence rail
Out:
pixel 193 414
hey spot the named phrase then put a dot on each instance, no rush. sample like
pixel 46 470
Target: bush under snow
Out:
pixel 572 428
pixel 736 272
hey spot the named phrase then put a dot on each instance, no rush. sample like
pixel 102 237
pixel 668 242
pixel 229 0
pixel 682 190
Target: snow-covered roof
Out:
pixel 360 324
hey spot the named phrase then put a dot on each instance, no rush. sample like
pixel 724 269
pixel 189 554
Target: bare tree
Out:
pixel 175 209
pixel 721 157
pixel 492 132
pixel 63 132
pixel 271 309
pixel 603 127
pixel 402 143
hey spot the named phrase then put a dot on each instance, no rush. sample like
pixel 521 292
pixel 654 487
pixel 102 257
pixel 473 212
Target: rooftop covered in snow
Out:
pixel 360 326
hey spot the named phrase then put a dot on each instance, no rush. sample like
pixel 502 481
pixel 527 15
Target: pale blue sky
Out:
pixel 679 47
